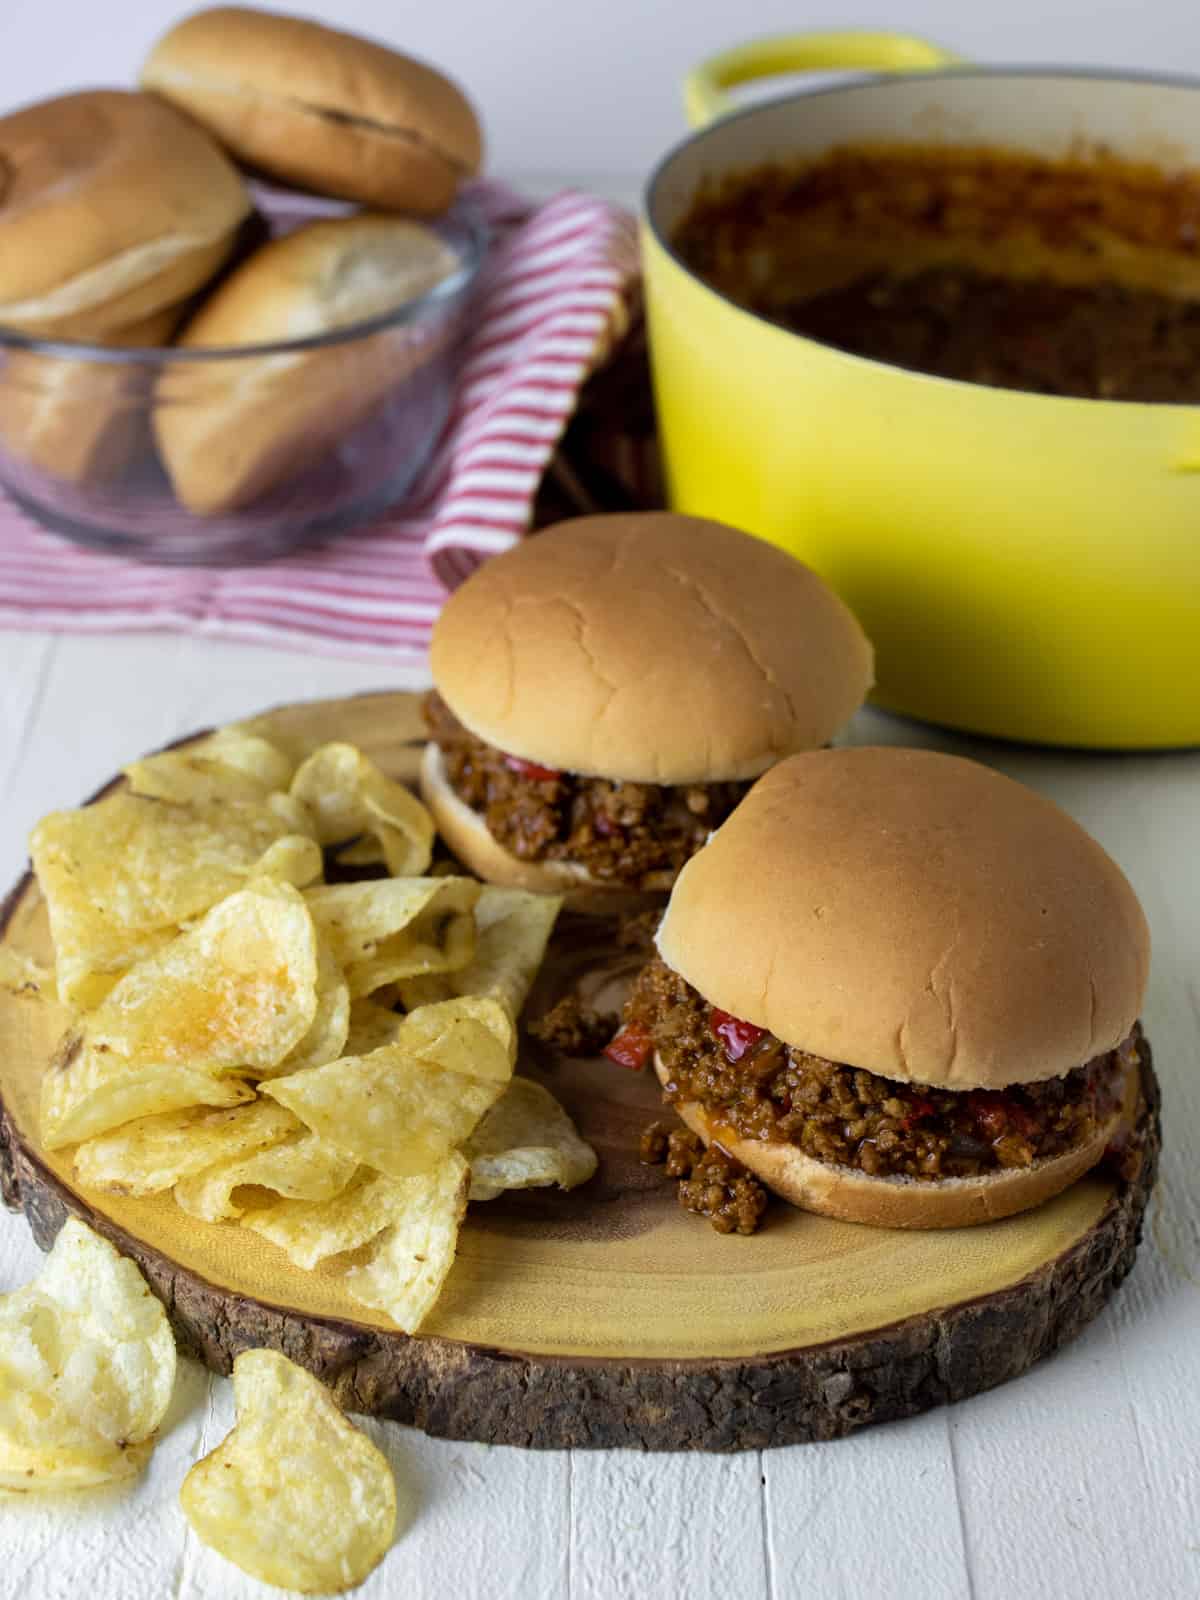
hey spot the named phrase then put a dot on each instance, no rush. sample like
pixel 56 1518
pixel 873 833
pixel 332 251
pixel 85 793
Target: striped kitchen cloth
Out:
pixel 553 300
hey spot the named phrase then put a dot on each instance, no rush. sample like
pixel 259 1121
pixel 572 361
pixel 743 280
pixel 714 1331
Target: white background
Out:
pixel 591 87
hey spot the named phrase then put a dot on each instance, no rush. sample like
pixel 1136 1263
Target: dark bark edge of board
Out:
pixel 460 1391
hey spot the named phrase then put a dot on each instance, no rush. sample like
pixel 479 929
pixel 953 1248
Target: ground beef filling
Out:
pixel 634 834
pixel 573 1028
pixel 763 1089
pixel 945 299
pixel 712 1184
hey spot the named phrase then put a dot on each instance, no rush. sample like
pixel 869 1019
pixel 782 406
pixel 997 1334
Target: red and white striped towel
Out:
pixel 553 298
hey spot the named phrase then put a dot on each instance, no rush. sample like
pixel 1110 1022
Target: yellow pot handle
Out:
pixel 704 87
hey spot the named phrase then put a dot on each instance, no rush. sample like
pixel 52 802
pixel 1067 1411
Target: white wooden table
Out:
pixel 1080 1479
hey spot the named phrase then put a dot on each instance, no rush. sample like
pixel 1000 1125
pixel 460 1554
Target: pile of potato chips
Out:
pixel 330 1065
pixel 294 1494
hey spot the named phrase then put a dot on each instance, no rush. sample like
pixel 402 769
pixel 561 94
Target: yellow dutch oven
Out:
pixel 1027 566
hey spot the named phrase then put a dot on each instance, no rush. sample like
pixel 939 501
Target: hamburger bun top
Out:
pixel 112 206
pixel 649 647
pixel 322 276
pixel 325 110
pixel 914 914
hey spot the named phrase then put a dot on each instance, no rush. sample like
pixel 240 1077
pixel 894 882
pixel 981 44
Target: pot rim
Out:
pixel 1167 80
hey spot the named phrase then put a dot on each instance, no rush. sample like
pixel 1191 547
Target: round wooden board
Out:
pixel 605 1317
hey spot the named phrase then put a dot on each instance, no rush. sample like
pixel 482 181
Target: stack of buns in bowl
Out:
pixel 126 223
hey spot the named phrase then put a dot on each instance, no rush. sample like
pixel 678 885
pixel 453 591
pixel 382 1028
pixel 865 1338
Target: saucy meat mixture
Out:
pixel 968 264
pixel 1101 342
pixel 634 834
pixel 763 1089
pixel 712 1183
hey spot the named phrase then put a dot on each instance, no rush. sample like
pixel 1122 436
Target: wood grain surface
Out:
pixel 606 1317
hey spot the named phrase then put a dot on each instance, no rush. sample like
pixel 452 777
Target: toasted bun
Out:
pixel 112 207
pixel 228 432
pixel 467 836
pixel 649 647
pixel 319 108
pixel 913 914
pixel 81 421
pixel 854 1196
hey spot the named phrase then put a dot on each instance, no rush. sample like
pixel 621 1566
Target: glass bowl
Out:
pixel 327 431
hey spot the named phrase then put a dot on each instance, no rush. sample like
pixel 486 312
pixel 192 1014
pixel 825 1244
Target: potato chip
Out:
pixel 512 931
pixel 526 1141
pixel 20 974
pixel 409 1262
pixel 293 859
pixel 371 1027
pixel 302 1167
pixel 232 996
pixel 295 1495
pixel 87 1367
pixel 120 876
pixel 394 928
pixel 154 1153
pixel 351 800
pixel 229 764
pixel 396 1113
pixel 308 1232
pixel 326 1039
pixel 473 1035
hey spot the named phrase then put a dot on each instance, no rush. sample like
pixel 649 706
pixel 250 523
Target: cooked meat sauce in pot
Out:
pixel 1077 278
pixel 634 834
pixel 760 1088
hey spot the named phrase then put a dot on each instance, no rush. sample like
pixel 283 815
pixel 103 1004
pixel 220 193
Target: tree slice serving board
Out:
pixel 607 1316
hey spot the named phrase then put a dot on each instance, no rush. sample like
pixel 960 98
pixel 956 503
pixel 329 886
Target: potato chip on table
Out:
pixel 326 1038
pixel 228 764
pixel 391 928
pixel 295 1495
pixel 87 1366
pixel 392 1110
pixel 512 929
pixel 410 1260
pixel 526 1141
pixel 474 1035
pixel 120 876
pixel 229 999
pixel 309 1232
pixel 302 1167
pixel 354 805
pixel 154 1153
pixel 371 1026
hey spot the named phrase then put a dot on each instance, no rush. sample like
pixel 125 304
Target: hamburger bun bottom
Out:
pixel 467 835
pixel 892 1202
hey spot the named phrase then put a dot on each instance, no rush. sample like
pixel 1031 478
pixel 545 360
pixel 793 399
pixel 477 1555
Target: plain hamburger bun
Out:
pixel 113 206
pixel 913 914
pixel 80 421
pixel 321 109
pixel 649 647
pixel 466 834
pixel 898 1202
pixel 230 430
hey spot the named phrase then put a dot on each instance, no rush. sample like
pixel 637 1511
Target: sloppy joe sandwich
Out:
pixel 321 109
pixel 900 988
pixel 113 207
pixel 607 692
